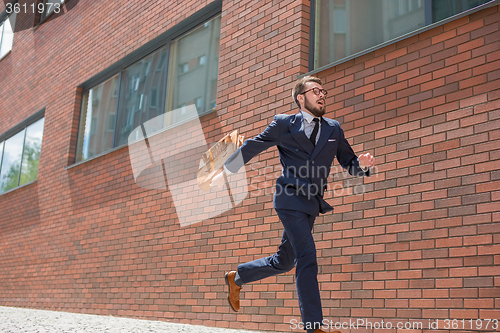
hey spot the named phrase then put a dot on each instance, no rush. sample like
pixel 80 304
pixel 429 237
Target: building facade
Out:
pixel 107 106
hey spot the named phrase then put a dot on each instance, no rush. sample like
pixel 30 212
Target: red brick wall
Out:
pixel 416 240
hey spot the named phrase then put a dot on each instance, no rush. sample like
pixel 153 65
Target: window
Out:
pixel 140 91
pixel 161 62
pixel 139 86
pixel 199 47
pixel 154 98
pixel 7 34
pixel 19 156
pixel 202 60
pixel 98 107
pixel 343 28
pixel 184 68
pixel 198 102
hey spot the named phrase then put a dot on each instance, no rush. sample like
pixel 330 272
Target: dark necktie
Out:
pixel 315 131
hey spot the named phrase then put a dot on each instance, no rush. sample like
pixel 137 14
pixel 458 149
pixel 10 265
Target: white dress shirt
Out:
pixel 308 125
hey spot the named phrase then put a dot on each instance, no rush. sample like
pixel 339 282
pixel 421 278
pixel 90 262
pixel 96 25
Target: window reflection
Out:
pixel 193 70
pixel 97 119
pixel 346 27
pixel 11 162
pixel 31 152
pixel 2 143
pixel 140 98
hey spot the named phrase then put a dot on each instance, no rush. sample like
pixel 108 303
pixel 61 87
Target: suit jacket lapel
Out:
pixel 298 133
pixel 326 130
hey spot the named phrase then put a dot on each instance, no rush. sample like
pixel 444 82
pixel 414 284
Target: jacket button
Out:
pixel 296 149
pixel 312 162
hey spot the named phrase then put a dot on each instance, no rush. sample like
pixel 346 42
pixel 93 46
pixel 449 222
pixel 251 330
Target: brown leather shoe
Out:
pixel 234 291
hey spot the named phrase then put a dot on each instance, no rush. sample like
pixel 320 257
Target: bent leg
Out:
pixel 278 263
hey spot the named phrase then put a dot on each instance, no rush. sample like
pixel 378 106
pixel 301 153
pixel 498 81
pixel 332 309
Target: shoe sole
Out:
pixel 229 289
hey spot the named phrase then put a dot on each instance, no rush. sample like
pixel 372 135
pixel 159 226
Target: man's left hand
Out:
pixel 366 160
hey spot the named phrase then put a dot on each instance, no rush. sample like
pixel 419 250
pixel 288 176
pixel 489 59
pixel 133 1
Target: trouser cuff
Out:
pixel 237 280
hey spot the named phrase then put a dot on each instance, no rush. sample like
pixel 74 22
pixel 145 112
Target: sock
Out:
pixel 311 330
pixel 238 281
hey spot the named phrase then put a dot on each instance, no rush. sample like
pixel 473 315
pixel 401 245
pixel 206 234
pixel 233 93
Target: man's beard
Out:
pixel 316 111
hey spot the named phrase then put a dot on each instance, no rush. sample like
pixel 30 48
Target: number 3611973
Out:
pixel 478 324
pixel 40 8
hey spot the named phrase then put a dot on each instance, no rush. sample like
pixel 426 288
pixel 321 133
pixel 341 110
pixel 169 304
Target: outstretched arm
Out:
pixel 250 148
pixel 356 166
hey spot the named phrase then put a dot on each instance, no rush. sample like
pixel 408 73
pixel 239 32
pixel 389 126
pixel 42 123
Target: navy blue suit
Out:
pixel 298 199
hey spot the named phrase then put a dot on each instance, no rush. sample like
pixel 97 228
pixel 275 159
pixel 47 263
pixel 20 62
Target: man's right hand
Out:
pixel 218 180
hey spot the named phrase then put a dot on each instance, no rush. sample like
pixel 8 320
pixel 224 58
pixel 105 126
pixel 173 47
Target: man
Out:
pixel 307 144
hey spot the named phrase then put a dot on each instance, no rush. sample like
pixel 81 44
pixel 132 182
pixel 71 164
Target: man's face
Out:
pixel 313 103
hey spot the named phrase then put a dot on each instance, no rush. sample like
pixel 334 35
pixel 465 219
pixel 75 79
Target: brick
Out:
pixel 445 107
pixel 444 36
pixel 484 31
pixel 478 282
pixel 459 133
pixel 473 63
pixel 463 252
pixel 475 43
pixel 477 80
pixel 420 97
pixel 407 58
pixel 489 48
pixel 458 76
pixel 486 107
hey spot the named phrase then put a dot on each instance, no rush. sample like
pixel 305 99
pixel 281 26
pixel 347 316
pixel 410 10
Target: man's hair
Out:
pixel 300 86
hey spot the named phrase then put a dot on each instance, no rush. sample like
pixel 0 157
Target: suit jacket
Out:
pixel 305 167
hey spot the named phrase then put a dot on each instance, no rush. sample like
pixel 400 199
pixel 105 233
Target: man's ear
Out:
pixel 300 98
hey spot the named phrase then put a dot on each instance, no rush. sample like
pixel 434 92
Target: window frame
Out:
pixel 14 131
pixel 164 40
pixel 4 16
pixel 428 18
pixel 2 28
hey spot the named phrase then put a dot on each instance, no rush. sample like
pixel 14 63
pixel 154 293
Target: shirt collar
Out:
pixel 308 117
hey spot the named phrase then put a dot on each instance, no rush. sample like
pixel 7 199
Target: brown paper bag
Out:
pixel 212 161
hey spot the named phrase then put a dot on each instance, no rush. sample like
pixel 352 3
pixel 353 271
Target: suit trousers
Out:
pixel 297 248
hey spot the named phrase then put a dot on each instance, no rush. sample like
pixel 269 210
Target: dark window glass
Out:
pixel 442 9
pixel 346 27
pixel 193 68
pixel 97 119
pixel 139 96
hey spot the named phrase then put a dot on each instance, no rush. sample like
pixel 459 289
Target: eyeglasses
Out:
pixel 316 91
